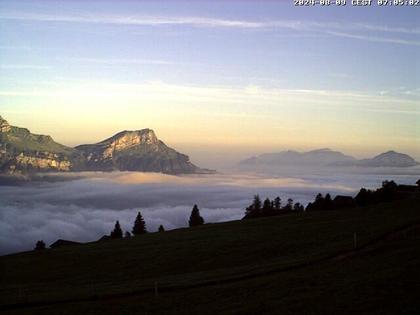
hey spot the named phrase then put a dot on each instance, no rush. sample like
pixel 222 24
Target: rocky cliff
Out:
pixel 138 150
pixel 21 152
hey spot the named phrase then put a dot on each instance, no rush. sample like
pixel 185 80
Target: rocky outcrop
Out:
pixel 40 161
pixel 4 125
pixel 138 150
pixel 22 152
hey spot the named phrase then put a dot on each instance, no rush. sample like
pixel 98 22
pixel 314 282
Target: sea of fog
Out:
pixel 84 206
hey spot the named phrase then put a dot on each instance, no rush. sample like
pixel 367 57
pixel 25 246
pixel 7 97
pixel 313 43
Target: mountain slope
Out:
pixel 22 151
pixel 327 157
pixel 316 157
pixel 138 150
pixel 217 265
pixel 389 159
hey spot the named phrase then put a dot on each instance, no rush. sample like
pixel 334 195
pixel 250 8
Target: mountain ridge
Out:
pixel 327 157
pixel 138 150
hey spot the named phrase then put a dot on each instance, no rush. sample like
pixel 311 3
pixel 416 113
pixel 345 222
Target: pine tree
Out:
pixel 277 203
pixel 267 209
pixel 195 218
pixel 298 207
pixel 257 203
pixel 161 228
pixel 254 210
pixel 117 232
pixel 289 205
pixel 40 245
pixel 139 225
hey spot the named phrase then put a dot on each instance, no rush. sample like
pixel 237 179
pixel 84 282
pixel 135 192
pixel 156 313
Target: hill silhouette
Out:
pixel 293 263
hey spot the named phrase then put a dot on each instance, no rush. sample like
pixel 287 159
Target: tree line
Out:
pixel 271 207
pixel 139 227
pixel 389 191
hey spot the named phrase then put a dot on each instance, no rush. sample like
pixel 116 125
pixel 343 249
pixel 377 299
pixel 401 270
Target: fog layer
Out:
pixel 86 206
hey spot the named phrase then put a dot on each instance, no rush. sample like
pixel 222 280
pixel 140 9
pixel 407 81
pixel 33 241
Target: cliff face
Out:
pixel 40 161
pixel 22 151
pixel 141 150
pixel 138 150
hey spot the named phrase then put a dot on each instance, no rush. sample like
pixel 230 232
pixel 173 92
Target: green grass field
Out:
pixel 290 264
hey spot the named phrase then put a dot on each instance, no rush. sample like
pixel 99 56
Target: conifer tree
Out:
pixel 298 207
pixel 161 228
pixel 139 225
pixel 254 210
pixel 289 205
pixel 267 209
pixel 277 203
pixel 40 245
pixel 117 232
pixel 195 218
pixel 257 203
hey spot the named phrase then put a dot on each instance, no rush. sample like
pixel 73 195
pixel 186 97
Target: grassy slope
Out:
pixel 181 258
pixel 21 140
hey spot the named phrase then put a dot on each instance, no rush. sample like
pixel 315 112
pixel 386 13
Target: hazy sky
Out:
pixel 217 79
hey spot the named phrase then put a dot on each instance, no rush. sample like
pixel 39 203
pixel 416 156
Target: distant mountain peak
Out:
pixel 130 138
pixel 328 157
pixel 390 158
pixel 319 157
pixel 136 150
pixel 389 153
pixel 322 150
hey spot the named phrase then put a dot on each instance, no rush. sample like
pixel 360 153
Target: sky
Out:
pixel 218 80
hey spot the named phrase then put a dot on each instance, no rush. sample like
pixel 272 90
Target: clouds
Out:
pixel 330 28
pixel 23 67
pixel 86 206
pixel 376 39
pixel 85 209
pixel 116 61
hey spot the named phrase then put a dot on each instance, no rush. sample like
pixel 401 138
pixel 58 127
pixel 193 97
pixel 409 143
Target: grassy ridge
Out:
pixel 186 257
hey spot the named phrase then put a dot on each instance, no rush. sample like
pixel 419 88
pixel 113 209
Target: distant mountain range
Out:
pixel 140 150
pixel 327 158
